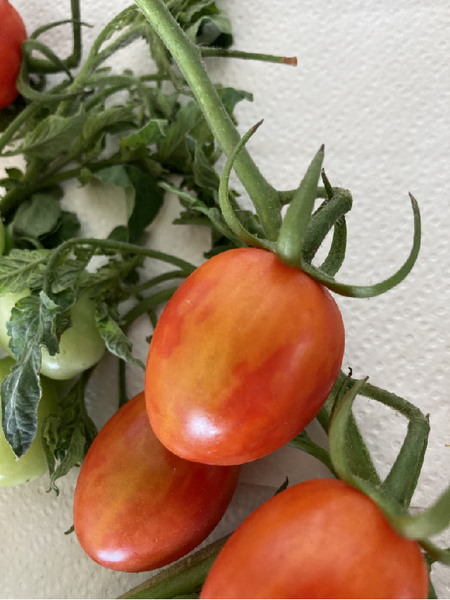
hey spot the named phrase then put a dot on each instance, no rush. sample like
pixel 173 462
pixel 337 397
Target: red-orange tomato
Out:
pixel 137 506
pixel 242 358
pixel 12 34
pixel 318 539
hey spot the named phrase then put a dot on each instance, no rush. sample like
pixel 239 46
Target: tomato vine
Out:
pixel 182 133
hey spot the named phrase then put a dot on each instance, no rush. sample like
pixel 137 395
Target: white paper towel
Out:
pixel 373 85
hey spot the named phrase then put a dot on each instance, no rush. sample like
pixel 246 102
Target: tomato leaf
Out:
pixel 53 137
pixel 143 195
pixel 37 217
pixel 21 269
pixel 115 339
pixel 35 321
pixel 152 132
pixel 66 436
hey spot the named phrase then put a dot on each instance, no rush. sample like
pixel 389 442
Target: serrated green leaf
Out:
pixel 119 234
pixel 22 269
pixel 66 436
pixel 231 97
pixel 21 393
pixel 53 137
pixel 38 216
pixel 115 339
pixel 211 30
pixel 204 174
pixel 188 118
pixel 148 200
pixel 116 175
pixel 151 133
pixel 67 228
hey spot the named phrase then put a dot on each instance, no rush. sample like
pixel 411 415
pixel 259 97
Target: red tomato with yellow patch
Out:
pixel 137 506
pixel 12 34
pixel 318 539
pixel 243 357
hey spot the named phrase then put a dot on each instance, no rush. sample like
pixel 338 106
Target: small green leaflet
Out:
pixel 53 137
pixel 21 269
pixel 38 216
pixel 66 436
pixel 151 133
pixel 115 339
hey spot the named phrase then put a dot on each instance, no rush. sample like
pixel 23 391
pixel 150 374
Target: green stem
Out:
pixel 113 245
pixel 16 124
pixel 222 53
pixel 137 289
pixel 37 65
pixel 181 578
pixel 303 442
pixel 147 304
pixel 187 55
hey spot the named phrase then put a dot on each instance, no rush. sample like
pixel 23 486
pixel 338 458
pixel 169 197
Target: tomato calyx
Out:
pixel 303 231
pixel 394 494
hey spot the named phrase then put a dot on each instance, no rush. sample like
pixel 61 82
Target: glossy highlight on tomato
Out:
pixel 137 506
pixel 32 465
pixel 242 359
pixel 318 539
pixel 12 34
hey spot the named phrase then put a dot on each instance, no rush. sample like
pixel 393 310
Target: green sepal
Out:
pixel 359 459
pixel 437 554
pixel 336 255
pixel 292 234
pixel 227 210
pixel 369 291
pixel 323 220
pixel 429 522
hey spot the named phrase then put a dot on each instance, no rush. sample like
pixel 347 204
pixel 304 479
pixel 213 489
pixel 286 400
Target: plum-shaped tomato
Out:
pixel 137 506
pixel 242 359
pixel 318 539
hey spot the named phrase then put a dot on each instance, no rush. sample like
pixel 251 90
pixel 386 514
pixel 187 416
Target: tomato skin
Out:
pixel 243 357
pixel 318 539
pixel 12 34
pixel 32 465
pixel 137 506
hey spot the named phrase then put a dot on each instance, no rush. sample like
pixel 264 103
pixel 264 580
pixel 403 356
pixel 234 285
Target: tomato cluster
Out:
pixel 241 360
pixel 12 34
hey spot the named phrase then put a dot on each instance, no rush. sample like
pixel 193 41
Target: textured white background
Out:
pixel 372 84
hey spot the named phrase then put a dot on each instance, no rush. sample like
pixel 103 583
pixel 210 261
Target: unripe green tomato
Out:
pixel 32 464
pixel 81 346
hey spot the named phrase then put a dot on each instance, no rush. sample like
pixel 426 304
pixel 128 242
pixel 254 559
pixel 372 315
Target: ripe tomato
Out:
pixel 318 539
pixel 242 358
pixel 137 506
pixel 32 464
pixel 12 34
